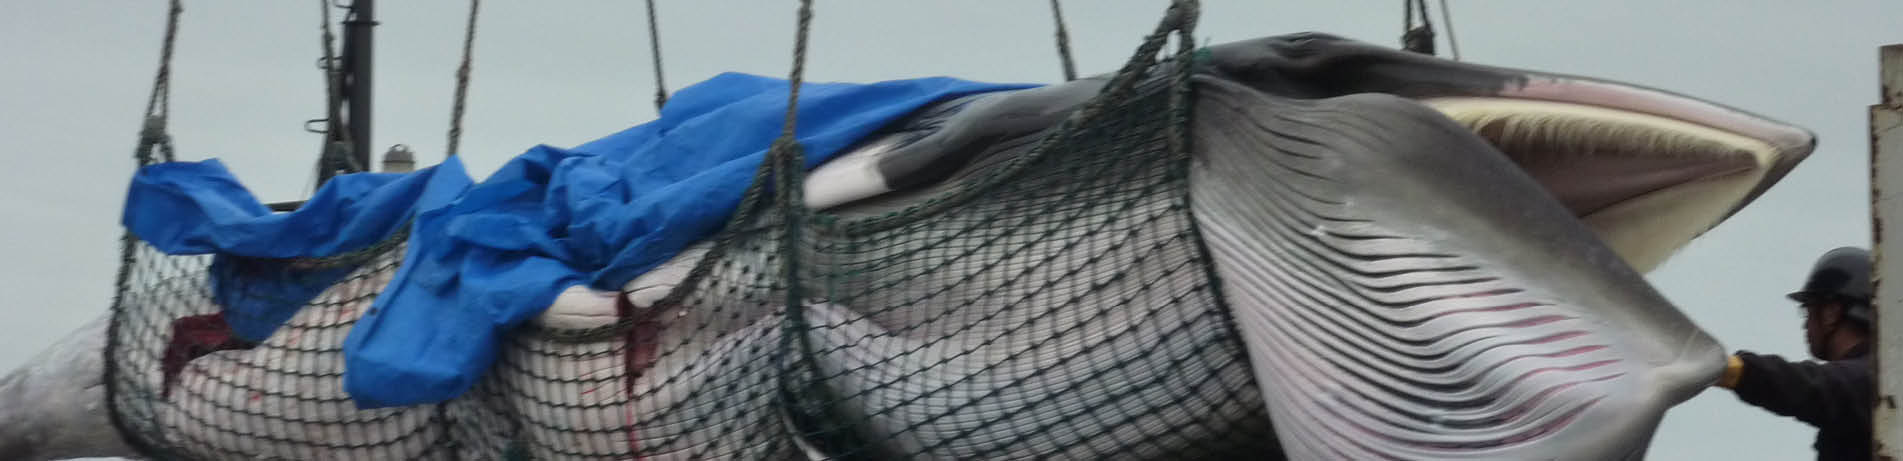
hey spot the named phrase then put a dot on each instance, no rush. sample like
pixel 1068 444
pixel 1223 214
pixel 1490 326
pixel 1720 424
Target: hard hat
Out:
pixel 1841 275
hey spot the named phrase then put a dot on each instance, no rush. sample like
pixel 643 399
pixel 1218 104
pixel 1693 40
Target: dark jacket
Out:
pixel 1835 397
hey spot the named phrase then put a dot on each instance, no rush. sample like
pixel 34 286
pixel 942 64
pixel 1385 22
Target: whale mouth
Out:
pixel 1646 181
pixel 1648 170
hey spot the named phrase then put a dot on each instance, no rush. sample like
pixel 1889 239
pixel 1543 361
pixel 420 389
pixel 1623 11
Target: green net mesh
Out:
pixel 1054 305
pixel 1058 308
pixel 182 387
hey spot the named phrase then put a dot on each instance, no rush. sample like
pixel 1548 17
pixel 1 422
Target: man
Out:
pixel 1836 395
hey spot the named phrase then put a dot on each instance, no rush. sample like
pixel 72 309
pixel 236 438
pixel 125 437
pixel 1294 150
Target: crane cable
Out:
pixel 654 49
pixel 462 81
pixel 159 105
pixel 1447 19
pixel 1063 42
pixel 1420 39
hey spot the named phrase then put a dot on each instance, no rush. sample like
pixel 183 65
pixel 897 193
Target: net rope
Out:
pixel 1057 304
pixel 1063 42
pixel 462 82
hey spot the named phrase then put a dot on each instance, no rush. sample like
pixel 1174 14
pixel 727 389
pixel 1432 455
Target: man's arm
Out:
pixel 1831 394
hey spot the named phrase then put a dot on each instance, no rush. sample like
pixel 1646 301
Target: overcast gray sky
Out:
pixel 563 72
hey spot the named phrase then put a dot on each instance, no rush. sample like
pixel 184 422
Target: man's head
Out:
pixel 1836 302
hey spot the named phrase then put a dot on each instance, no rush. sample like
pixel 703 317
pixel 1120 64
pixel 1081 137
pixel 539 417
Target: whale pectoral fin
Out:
pixel 1390 314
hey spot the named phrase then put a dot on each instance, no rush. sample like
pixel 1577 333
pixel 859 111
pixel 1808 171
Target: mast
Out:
pixel 357 65
pixel 350 107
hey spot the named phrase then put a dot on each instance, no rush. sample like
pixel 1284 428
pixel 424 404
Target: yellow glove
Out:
pixel 1734 368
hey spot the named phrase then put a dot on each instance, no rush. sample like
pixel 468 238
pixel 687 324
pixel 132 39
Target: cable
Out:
pixel 654 47
pixel 462 81
pixel 1063 42
pixel 1447 19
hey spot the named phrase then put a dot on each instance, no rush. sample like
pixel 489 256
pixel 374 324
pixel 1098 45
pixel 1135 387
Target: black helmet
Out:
pixel 1841 275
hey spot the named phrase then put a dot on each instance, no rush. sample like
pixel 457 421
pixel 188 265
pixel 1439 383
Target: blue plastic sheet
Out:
pixel 484 258
pixel 200 208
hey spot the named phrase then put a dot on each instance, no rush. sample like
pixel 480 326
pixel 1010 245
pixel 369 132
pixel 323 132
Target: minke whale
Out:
pixel 1420 259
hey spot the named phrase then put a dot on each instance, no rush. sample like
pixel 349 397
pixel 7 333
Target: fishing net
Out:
pixel 182 386
pixel 1055 304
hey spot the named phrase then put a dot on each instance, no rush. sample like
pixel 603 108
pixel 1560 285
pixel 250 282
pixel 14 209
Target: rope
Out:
pixel 1417 39
pixel 151 133
pixel 799 69
pixel 1407 19
pixel 158 105
pixel 654 49
pixel 787 150
pixel 332 78
pixel 462 81
pixel 1447 18
pixel 787 154
pixel 787 158
pixel 1185 24
pixel 1181 18
pixel 1063 42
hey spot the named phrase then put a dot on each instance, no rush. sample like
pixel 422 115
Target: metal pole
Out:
pixel 1886 151
pixel 357 65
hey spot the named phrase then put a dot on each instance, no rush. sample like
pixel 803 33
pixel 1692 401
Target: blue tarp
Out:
pixel 485 257
pixel 200 208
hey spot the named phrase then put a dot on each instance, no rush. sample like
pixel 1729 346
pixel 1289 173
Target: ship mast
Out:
pixel 347 134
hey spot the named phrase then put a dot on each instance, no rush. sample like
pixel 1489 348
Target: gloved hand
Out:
pixel 1734 367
